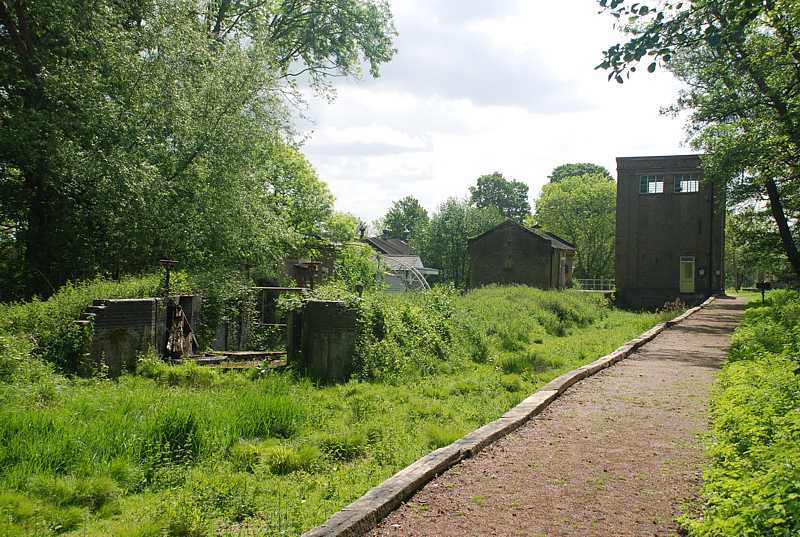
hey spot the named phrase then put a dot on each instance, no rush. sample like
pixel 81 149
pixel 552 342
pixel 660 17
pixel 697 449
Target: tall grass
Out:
pixel 49 323
pixel 180 452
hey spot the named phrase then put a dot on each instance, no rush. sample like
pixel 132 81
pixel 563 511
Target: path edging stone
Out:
pixel 366 512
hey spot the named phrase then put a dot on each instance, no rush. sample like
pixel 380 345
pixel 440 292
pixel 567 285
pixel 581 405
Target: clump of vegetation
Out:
pixel 173 434
pixel 440 435
pixel 150 365
pixel 752 486
pixel 344 446
pixel 670 310
pixel 278 458
pixel 262 415
pixel 181 450
pixel 49 323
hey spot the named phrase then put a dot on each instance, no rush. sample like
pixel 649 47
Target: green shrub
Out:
pixel 512 383
pixel 39 441
pixel 16 507
pixel 125 473
pixel 263 415
pixel 244 455
pixel 15 356
pixel 186 519
pixel 517 363
pixel 20 516
pixel 92 492
pixel 284 459
pixel 437 435
pixel 150 365
pixel 752 486
pixel 405 336
pixel 344 446
pixel 173 435
pixel 279 459
pixel 189 373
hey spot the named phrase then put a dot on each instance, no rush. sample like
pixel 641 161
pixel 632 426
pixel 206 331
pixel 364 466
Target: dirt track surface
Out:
pixel 618 454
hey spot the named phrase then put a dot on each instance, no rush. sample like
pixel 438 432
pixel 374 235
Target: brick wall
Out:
pixel 655 230
pixel 122 329
pixel 509 254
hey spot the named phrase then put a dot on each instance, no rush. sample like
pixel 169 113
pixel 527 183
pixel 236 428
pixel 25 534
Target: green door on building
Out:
pixel 687 274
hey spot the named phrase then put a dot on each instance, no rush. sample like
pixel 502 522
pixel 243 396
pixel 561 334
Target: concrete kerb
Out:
pixel 364 514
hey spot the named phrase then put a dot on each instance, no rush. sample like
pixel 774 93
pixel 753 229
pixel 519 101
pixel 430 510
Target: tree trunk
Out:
pixel 783 225
pixel 38 250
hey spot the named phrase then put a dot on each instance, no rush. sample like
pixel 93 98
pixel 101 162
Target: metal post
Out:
pixel 167 264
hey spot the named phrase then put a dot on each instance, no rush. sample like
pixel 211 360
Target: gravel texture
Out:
pixel 619 454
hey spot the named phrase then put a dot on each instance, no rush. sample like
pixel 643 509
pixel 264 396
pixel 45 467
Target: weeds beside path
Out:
pixel 618 454
pixel 186 451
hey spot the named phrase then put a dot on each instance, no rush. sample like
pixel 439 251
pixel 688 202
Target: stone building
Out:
pixel 670 231
pixel 512 253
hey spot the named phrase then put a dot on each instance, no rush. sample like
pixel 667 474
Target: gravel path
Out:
pixel 617 455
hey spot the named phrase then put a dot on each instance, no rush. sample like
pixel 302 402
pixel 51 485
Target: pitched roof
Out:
pixel 390 246
pixel 395 262
pixel 555 241
pixel 564 242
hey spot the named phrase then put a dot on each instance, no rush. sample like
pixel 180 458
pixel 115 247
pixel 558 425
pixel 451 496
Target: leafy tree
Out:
pixel 560 173
pixel 510 197
pixel 404 217
pixel 443 242
pixel 135 130
pixel 341 228
pixel 356 265
pixel 739 59
pixel 753 248
pixel 582 210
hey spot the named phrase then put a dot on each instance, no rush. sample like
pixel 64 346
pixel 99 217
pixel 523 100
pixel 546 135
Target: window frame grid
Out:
pixel 679 181
pixel 646 180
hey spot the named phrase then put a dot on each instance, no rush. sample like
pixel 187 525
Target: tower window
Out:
pixel 651 184
pixel 686 183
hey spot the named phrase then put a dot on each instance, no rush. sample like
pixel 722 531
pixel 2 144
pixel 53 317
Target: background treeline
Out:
pixel 578 204
pixel 131 131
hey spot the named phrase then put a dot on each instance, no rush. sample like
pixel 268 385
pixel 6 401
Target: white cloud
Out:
pixel 479 87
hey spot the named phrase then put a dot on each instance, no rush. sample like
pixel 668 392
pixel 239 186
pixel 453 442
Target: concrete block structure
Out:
pixel 322 340
pixel 124 328
pixel 670 233
pixel 511 253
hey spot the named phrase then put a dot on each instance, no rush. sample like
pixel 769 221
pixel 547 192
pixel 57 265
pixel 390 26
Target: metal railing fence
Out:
pixel 595 284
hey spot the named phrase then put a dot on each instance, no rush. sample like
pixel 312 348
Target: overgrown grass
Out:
pixel 49 323
pixel 179 451
pixel 752 486
pixel 56 339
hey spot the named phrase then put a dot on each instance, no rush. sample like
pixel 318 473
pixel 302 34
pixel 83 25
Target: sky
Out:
pixel 479 86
